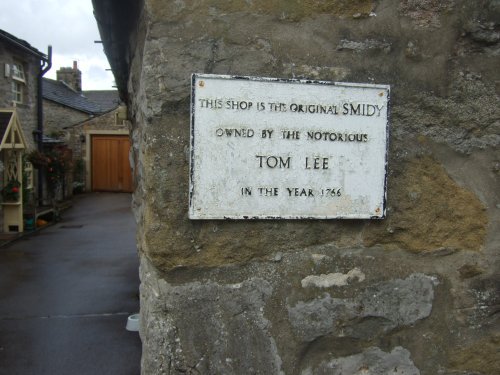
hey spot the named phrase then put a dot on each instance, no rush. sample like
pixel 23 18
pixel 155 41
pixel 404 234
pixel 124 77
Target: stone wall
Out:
pixel 27 110
pixel 57 117
pixel 415 293
pixel 110 122
pixel 79 139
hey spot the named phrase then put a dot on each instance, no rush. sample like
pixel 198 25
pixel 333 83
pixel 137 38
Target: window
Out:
pixel 17 92
pixel 18 72
pixel 18 81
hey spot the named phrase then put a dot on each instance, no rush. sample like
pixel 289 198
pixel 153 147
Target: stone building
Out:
pixel 21 65
pixel 82 117
pixel 413 293
pixel 65 103
pixel 21 106
pixel 113 129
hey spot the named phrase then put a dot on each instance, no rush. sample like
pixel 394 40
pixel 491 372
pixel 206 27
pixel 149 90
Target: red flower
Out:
pixel 15 189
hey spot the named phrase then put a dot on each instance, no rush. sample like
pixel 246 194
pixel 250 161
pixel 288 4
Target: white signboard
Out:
pixel 266 148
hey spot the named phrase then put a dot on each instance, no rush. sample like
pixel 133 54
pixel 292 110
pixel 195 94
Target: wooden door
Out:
pixel 110 163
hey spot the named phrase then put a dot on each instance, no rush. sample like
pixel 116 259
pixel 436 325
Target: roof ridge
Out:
pixel 60 92
pixel 69 87
pixel 22 43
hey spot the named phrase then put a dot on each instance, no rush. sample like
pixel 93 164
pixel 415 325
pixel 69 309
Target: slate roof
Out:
pixel 105 99
pixel 21 44
pixel 61 93
pixel 92 102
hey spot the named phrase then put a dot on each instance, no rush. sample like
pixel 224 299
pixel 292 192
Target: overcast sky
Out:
pixel 70 27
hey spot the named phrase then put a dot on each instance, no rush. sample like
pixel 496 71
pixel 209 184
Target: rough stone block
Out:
pixel 381 308
pixel 372 361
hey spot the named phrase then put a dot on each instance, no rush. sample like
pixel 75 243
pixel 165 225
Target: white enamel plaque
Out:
pixel 265 148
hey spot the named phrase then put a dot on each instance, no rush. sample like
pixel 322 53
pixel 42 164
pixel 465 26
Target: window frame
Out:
pixel 18 72
pixel 17 89
pixel 18 82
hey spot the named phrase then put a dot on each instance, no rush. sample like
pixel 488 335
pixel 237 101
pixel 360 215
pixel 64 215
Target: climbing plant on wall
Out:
pixel 56 162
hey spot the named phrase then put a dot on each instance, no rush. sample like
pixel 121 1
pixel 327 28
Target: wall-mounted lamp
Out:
pixel 82 138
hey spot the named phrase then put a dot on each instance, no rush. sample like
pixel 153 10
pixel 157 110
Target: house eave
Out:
pixel 116 20
pixel 17 43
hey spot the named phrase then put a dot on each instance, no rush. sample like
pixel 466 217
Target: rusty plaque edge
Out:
pixel 194 216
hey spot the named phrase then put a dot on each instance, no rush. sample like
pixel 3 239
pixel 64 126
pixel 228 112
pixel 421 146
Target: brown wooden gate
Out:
pixel 110 163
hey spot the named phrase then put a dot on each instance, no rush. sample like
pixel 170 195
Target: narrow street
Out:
pixel 66 293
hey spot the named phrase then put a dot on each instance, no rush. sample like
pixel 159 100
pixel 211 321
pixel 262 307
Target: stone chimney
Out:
pixel 71 76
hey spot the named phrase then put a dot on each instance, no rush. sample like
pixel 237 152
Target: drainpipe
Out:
pixel 45 66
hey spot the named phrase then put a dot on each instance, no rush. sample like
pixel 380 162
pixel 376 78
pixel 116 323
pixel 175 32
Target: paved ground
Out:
pixel 66 293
